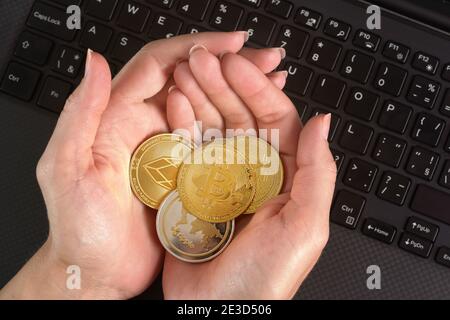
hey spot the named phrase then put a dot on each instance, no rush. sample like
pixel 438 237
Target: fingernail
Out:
pixel 326 123
pixel 88 62
pixel 179 62
pixel 223 54
pixel 172 88
pixel 245 34
pixel 197 47
pixel 282 53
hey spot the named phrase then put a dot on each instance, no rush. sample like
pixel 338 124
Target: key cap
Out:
pixel 425 63
pixel 447 145
pixel 396 51
pixel 347 209
pixel 366 40
pixel 20 81
pixel 133 16
pixel 324 54
pixel 422 228
pixel 362 104
pixel 125 47
pixel 446 72
pixel 251 3
pixel 165 26
pixel 194 9
pixel 389 150
pixel 67 61
pixel 166 4
pixel 195 29
pixel 329 91
pixel 360 175
pixel 96 36
pixel 50 20
pixel 299 78
pixel 379 230
pixel 301 107
pixel 422 163
pixel 390 79
pixel 279 8
pixel 444 180
pixel 443 256
pixel 356 137
pixel 101 9
pixel 394 188
pixel 395 116
pixel 292 40
pixel 357 66
pixel 423 92
pixel 259 28
pixel 308 18
pixel 428 129
pixel 337 29
pixel 33 48
pixel 335 121
pixel 338 158
pixel 431 203
pixel 226 16
pixel 54 94
pixel 415 245
pixel 445 108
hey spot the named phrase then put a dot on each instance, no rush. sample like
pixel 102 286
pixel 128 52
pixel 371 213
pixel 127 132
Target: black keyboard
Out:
pixel 390 101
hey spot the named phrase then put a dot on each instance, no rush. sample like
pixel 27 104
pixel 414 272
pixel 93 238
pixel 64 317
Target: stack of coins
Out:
pixel 200 191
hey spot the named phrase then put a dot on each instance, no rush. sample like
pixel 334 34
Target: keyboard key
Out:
pixel 165 26
pixel 226 16
pixel 292 40
pixel 67 3
pixel 337 29
pixel 415 245
pixel 428 129
pixel 390 79
pixel 20 81
pixel 308 18
pixel 299 78
pixel 432 203
pixel 301 107
pixel 194 9
pixel 67 61
pixel 347 209
pixel 50 20
pixel 166 4
pixel 260 28
pixel 425 63
pixel 389 150
pixel 126 47
pixel 101 9
pixel 366 40
pixel 279 8
pixel 443 256
pixel 446 72
pixel 356 137
pixel 423 92
pixel 393 188
pixel 338 158
pixel 251 3
pixel 133 16
pixel 447 145
pixel 379 230
pixel 396 52
pixel 335 121
pixel 329 91
pixel 33 48
pixel 362 104
pixel 357 66
pixel 422 163
pixel 195 29
pixel 422 228
pixel 96 36
pixel 445 108
pixel 324 54
pixel 54 94
pixel 395 116
pixel 360 175
pixel 444 180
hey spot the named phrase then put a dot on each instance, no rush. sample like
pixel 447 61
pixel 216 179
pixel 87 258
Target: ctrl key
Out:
pixel 416 245
pixel 347 209
pixel 20 81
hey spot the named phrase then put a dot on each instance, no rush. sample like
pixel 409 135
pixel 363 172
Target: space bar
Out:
pixel 432 203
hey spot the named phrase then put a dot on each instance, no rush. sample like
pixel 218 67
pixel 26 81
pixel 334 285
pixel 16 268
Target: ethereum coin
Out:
pixel 188 238
pixel 154 167
pixel 216 184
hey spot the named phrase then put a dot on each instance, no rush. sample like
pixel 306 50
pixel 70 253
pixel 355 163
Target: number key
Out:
pixel 390 79
pixel 259 28
pixel 324 54
pixel 357 66
pixel 195 9
pixel 292 40
pixel 226 16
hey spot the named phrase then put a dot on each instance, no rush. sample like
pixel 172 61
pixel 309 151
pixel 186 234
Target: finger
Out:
pixel 206 68
pixel 77 126
pixel 267 60
pixel 278 78
pixel 181 117
pixel 148 71
pixel 270 106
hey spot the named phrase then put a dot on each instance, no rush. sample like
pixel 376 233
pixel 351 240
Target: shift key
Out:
pixel 432 203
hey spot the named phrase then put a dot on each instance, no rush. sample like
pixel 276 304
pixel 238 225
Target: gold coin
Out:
pixel 154 167
pixel 188 238
pixel 266 163
pixel 215 183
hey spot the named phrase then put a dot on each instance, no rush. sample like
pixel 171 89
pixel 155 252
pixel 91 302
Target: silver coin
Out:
pixel 188 238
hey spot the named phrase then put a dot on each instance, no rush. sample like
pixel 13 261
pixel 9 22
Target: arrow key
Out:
pixel 33 48
pixel 379 230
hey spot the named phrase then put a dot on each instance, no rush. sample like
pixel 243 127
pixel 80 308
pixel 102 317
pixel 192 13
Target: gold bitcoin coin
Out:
pixel 154 167
pixel 215 183
pixel 267 164
pixel 188 238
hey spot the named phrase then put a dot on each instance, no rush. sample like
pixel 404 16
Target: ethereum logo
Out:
pixel 163 171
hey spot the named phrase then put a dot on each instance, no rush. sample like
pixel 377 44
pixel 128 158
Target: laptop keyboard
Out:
pixel 397 151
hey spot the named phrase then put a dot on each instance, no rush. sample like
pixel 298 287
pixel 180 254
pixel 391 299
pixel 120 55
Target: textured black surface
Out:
pixel 341 272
